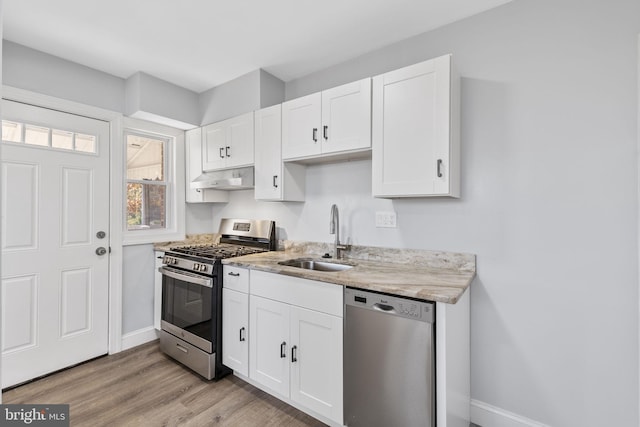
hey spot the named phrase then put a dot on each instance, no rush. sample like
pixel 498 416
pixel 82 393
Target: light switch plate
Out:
pixel 386 219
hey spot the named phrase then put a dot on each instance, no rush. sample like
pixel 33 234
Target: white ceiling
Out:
pixel 199 44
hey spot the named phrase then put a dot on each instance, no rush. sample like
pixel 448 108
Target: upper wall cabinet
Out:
pixel 335 121
pixel 415 149
pixel 228 144
pixel 193 156
pixel 275 180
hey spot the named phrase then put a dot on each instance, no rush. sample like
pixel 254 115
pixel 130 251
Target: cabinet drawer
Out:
pixel 235 278
pixel 311 294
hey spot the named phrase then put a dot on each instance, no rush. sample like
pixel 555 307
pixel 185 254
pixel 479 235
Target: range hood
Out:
pixel 230 179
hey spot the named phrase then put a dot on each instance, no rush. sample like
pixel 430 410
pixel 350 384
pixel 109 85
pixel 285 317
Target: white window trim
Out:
pixel 175 184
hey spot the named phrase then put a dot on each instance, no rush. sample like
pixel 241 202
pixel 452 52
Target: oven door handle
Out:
pixel 191 278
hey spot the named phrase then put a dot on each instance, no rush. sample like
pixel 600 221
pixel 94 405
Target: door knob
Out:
pixel 101 251
pixel 101 234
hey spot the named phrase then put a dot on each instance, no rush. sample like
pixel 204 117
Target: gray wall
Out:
pixel 36 71
pixel 549 202
pixel 138 269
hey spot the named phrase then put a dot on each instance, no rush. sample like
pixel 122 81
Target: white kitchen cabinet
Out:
pixel 415 142
pixel 193 139
pixel 235 319
pixel 316 364
pixel 295 342
pixel 328 123
pixel 275 180
pixel 269 344
pixel 157 290
pixel 228 144
pixel 235 328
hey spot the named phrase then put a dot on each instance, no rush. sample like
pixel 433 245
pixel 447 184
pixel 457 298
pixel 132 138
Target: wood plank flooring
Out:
pixel 143 387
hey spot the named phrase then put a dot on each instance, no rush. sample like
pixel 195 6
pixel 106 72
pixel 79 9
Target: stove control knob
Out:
pixel 196 267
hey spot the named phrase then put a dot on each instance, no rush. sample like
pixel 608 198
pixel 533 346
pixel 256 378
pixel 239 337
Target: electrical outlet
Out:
pixel 386 219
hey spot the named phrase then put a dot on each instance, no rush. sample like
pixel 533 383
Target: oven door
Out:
pixel 188 307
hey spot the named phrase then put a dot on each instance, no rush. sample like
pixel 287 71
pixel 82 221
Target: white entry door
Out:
pixel 55 217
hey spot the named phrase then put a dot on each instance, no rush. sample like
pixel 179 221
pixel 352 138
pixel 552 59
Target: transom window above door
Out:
pixel 44 137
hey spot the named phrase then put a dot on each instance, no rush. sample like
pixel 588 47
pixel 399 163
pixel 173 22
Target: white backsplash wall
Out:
pixel 348 185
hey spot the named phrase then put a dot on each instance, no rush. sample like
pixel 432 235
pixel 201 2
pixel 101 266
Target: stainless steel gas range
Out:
pixel 192 294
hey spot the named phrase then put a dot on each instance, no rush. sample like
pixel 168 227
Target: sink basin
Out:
pixel 311 264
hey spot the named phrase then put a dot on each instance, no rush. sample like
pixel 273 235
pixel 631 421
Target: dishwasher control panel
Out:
pixel 390 304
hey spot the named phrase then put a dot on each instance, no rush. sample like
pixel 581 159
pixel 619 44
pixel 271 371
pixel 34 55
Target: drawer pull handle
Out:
pixel 231 273
pixel 181 348
pixel 315 135
pixel 242 338
pixel 294 354
pixel 439 168
pixel 283 350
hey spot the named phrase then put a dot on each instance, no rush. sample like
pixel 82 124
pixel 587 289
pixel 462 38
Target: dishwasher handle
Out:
pixel 384 307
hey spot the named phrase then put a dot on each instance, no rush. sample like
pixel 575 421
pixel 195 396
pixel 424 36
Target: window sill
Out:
pixel 147 236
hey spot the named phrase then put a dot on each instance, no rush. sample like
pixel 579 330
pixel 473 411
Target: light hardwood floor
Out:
pixel 143 387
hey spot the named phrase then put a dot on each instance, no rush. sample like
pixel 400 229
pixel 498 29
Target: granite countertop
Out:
pixel 427 275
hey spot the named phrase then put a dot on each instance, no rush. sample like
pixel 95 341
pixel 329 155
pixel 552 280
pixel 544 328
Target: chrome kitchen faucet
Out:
pixel 334 228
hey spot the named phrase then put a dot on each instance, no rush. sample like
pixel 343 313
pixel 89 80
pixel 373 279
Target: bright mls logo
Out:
pixel 34 415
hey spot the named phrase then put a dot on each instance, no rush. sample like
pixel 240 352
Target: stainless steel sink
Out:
pixel 311 264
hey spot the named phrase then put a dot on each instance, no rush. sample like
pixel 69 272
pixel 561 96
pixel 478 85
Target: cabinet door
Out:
pixel 346 117
pixel 213 146
pixel 316 362
pixel 239 137
pixel 412 141
pixel 193 169
pixel 269 344
pixel 301 131
pixel 268 153
pixel 235 328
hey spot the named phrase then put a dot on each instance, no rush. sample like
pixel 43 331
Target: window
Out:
pixel 44 137
pixel 146 183
pixel 154 199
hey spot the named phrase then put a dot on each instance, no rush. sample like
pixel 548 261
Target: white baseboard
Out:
pixel 141 336
pixel 486 415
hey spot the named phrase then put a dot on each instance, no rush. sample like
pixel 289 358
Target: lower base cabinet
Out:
pixel 235 324
pixel 284 335
pixel 297 353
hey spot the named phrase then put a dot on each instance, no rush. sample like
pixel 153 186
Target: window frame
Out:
pixel 173 177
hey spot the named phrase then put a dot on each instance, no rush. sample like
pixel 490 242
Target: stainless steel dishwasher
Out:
pixel 389 361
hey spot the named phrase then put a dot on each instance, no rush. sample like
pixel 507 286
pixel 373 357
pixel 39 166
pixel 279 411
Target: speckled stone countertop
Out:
pixel 191 239
pixel 427 275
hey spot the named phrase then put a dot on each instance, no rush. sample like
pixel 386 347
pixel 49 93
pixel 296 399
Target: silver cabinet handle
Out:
pixel 324 132
pixel 315 135
pixel 242 338
pixel 294 354
pixel 274 181
pixel 283 350
pixel 181 348
pixel 439 164
pixel 221 156
pixel 226 151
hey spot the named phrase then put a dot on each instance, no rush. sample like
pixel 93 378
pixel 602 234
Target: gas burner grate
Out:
pixel 217 251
